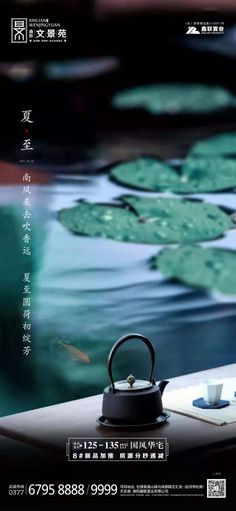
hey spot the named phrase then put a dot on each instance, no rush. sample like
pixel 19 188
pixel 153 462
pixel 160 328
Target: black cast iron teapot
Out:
pixel 132 401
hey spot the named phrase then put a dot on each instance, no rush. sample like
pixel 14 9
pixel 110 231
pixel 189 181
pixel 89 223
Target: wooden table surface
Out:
pixel 49 428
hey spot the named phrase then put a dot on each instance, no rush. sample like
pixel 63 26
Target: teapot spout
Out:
pixel 162 385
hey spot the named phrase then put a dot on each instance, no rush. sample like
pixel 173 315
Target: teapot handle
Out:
pixel 119 343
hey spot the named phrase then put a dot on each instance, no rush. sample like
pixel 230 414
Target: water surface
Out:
pixel 88 292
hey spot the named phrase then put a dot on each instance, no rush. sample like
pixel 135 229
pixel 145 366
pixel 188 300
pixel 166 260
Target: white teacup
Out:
pixel 211 390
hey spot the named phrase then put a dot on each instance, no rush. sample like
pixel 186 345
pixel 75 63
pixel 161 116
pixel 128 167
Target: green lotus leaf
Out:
pixel 220 145
pixel 198 175
pixel 145 174
pixel 176 98
pixel 208 174
pixel 212 269
pixel 144 220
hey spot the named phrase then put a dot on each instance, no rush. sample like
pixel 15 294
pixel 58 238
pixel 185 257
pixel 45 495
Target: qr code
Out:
pixel 216 488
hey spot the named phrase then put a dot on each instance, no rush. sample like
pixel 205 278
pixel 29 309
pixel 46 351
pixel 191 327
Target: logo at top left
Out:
pixel 19 30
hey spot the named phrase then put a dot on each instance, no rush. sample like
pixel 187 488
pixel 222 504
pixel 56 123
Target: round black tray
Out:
pixel 102 421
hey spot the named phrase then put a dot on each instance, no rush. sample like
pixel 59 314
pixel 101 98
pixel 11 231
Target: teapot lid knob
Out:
pixel 130 380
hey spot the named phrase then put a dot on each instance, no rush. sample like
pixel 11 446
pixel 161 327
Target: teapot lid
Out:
pixel 131 384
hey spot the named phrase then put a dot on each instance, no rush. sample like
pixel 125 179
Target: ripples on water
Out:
pixel 88 292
